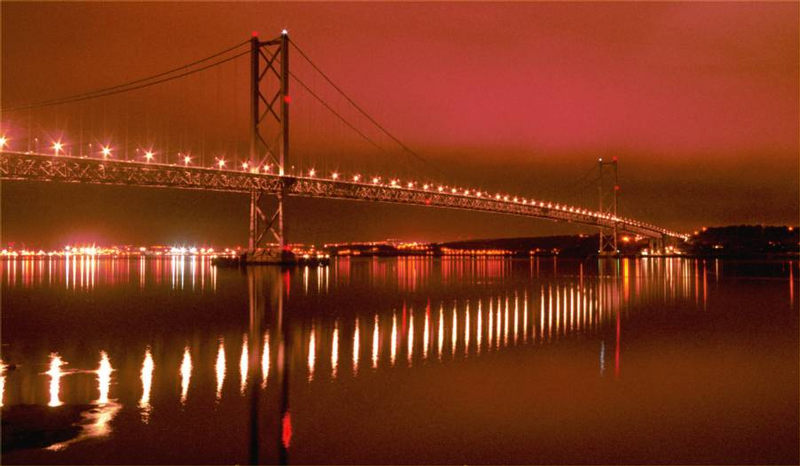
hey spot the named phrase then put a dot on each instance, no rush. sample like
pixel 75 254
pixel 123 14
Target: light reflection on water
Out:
pixel 186 373
pixel 84 273
pixel 265 361
pixel 147 385
pixel 219 368
pixel 334 350
pixel 2 382
pixel 488 314
pixel 55 379
pixel 312 355
pixel 562 311
pixel 243 365
pixel 356 347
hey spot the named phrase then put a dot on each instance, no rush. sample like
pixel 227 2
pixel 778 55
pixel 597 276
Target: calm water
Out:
pixel 401 361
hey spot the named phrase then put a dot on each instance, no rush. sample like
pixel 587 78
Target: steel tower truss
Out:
pixel 269 138
pixel 607 191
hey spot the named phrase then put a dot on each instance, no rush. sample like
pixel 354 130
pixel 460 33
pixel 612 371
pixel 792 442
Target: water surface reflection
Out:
pixel 407 338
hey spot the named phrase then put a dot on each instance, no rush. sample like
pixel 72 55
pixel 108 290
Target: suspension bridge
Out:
pixel 263 169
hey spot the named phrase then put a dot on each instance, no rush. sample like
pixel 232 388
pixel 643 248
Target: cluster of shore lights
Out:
pixel 221 163
pixel 97 251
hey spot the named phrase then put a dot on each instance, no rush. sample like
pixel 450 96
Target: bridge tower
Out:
pixel 269 142
pixel 608 192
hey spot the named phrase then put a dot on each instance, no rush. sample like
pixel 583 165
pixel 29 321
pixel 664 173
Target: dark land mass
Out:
pixel 742 241
pixel 35 426
pixel 745 241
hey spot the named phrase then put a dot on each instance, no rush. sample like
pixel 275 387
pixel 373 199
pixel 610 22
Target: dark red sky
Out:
pixel 699 101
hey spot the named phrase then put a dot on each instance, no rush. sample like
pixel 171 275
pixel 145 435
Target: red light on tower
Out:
pixel 287 99
pixel 616 188
pixel 614 158
pixel 255 33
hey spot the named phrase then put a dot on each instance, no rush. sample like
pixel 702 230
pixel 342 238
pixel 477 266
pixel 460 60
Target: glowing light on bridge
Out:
pixel 3 142
pixel 59 147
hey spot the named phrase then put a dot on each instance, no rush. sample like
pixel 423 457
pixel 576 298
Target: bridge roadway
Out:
pixel 68 169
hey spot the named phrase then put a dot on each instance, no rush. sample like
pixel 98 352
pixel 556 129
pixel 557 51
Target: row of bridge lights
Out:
pixel 395 183
pixel 106 151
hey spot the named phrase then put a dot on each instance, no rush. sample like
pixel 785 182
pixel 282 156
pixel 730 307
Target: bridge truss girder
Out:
pixel 40 167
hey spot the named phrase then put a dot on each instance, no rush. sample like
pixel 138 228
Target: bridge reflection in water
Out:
pixel 487 313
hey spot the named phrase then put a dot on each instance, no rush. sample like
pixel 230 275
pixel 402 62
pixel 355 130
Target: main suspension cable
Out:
pixel 125 87
pixel 361 110
pixel 326 105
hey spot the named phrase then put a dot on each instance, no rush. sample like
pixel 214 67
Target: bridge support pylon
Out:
pixel 608 205
pixel 269 121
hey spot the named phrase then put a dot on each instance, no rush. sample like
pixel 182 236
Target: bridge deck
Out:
pixel 42 167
